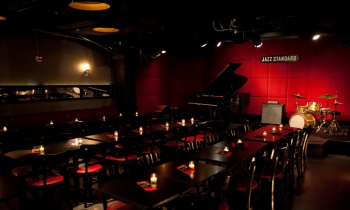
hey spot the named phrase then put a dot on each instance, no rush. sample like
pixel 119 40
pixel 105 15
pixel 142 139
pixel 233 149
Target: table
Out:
pixel 238 154
pixel 126 190
pixel 201 174
pixel 11 187
pixel 257 135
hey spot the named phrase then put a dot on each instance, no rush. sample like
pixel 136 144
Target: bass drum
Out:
pixel 302 121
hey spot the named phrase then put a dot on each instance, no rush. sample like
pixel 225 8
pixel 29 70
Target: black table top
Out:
pixel 202 171
pixel 52 148
pixel 11 187
pixel 279 134
pixel 125 189
pixel 238 154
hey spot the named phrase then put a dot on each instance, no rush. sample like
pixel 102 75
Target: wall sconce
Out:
pixel 86 68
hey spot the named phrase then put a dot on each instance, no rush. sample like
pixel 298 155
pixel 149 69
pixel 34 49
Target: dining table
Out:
pixel 268 134
pixel 129 191
pixel 200 173
pixel 235 154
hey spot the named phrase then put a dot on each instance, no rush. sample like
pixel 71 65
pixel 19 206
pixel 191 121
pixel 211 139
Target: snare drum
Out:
pixel 302 109
pixel 314 106
pixel 302 120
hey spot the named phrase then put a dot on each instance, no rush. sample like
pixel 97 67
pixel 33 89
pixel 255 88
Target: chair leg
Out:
pixel 272 194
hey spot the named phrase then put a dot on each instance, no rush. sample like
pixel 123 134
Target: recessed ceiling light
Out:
pixel 218 44
pixel 106 30
pixel 315 37
pixel 163 51
pixel 2 18
pixel 89 5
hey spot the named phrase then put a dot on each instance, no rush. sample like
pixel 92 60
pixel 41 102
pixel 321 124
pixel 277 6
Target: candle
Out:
pixel 41 149
pixel 183 122
pixel 16 92
pixel 166 124
pixel 120 114
pixel 239 141
pixel 136 114
pixel 104 118
pixel 226 149
pixel 51 123
pixel 45 90
pixel 153 178
pixel 115 133
pixel 281 126
pixel 76 119
pixel 191 164
pixel 33 91
pixel 80 140
pixel 140 130
pixel 273 129
pixel 192 120
pixel 264 134
pixel 4 129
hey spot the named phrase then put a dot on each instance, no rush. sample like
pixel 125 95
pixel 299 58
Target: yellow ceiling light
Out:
pixel 2 18
pixel 89 5
pixel 106 30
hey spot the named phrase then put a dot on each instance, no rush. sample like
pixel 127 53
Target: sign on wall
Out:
pixel 279 58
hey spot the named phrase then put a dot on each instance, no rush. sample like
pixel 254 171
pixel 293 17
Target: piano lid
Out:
pixel 227 82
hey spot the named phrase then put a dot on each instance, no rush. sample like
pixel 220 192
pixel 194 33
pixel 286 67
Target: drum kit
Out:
pixel 313 115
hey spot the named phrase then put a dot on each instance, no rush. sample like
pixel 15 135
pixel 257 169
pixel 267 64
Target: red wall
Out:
pixel 323 68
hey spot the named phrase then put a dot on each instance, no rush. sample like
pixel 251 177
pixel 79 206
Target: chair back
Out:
pixel 88 151
pixel 46 162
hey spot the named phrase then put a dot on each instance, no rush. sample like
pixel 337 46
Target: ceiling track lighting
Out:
pixel 315 37
pixel 89 5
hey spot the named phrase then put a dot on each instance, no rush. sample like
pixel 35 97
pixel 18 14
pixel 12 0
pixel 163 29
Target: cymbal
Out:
pixel 297 95
pixel 328 96
pixel 336 103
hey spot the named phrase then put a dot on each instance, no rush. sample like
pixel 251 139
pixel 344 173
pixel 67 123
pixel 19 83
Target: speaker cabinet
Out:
pixel 271 113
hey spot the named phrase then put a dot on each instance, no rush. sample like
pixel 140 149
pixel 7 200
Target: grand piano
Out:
pixel 219 98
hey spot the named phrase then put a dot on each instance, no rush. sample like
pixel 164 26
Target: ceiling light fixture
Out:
pixel 218 44
pixel 89 5
pixel 106 30
pixel 257 41
pixel 204 45
pixel 315 37
pixel 86 68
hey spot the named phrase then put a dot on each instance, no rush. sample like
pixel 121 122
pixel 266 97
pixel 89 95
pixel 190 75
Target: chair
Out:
pixel 300 151
pixel 88 168
pixel 51 172
pixel 120 206
pixel 152 145
pixel 173 144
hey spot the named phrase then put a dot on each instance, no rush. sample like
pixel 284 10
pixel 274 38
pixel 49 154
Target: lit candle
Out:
pixel 120 114
pixel 264 134
pixel 191 164
pixel 166 124
pixel 281 126
pixel 45 90
pixel 80 140
pixel 33 91
pixel 41 149
pixel 136 114
pixel 226 149
pixel 115 133
pixel 51 123
pixel 16 92
pixel 273 129
pixel 239 141
pixel 192 120
pixel 183 122
pixel 76 119
pixel 104 118
pixel 140 130
pixel 153 178
pixel 4 129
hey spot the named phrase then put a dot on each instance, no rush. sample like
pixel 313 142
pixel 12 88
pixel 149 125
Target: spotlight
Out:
pixel 218 44
pixel 163 51
pixel 257 41
pixel 204 44
pixel 315 37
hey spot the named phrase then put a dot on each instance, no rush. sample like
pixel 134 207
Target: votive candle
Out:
pixel 41 149
pixel 264 134
pixel 226 149
pixel 191 164
pixel 4 129
pixel 153 178
pixel 192 120
pixel 183 122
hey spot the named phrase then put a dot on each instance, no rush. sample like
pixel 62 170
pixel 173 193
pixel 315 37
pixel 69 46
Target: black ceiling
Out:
pixel 160 24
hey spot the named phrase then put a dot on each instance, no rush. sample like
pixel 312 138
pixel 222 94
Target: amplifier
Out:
pixel 271 113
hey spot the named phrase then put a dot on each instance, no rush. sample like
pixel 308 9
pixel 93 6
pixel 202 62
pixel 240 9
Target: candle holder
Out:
pixel 41 150
pixel 273 129
pixel 76 119
pixel 80 141
pixel 51 123
pixel 136 114
pixel 153 178
pixel 226 149
pixel 166 124
pixel 192 120
pixel 104 118
pixel 115 133
pixel 120 114
pixel 239 141
pixel 191 164
pixel 183 122
pixel 140 130
pixel 4 129
pixel 264 134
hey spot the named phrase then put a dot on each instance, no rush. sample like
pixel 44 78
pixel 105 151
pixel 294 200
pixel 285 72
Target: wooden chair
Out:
pixel 51 172
pixel 172 145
